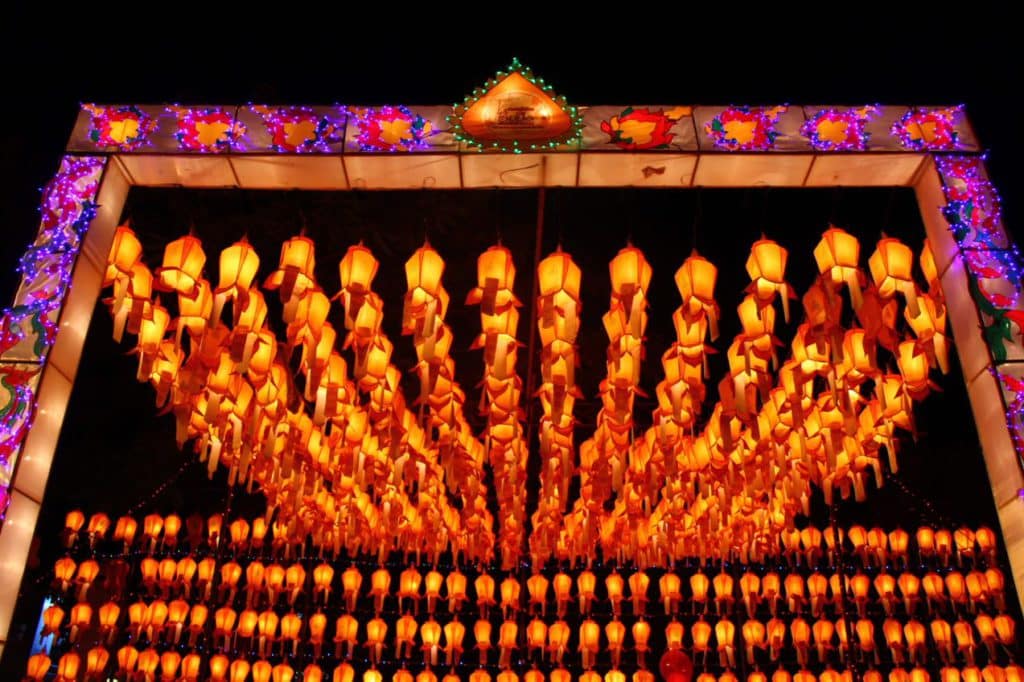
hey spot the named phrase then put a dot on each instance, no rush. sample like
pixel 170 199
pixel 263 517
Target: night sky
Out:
pixel 114 452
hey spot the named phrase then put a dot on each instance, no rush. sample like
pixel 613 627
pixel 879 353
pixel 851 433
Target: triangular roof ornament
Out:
pixel 515 112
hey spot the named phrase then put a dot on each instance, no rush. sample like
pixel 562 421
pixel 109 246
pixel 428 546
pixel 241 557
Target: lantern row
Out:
pixel 253 538
pixel 172 667
pixel 280 611
pixel 347 462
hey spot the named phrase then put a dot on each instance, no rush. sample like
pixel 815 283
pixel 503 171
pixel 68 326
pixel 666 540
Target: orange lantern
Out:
pixel 484 586
pixel 39 666
pixel 507 634
pixel 454 633
pixel 891 266
pixel 261 671
pixel 96 663
pixel 238 266
pixel 563 586
pixel 537 586
pixel 641 631
pixel 615 586
pixel 456 586
pixel 586 583
pixel 590 642
pixel 182 266
pixel 838 256
pixel 638 584
pixel 615 632
pixel 767 269
pixel 67 667
pixel 430 635
pixel 127 659
pixel 351 580
pixel 482 635
pixel 674 635
pixel 509 596
pixel 376 631
pixel 405 633
pixel 294 274
pixel 432 589
pixel 558 641
pixel 343 673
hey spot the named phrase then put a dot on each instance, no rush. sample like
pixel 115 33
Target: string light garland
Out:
pixel 128 128
pixel 835 129
pixel 928 129
pixel 528 108
pixel 391 129
pixel 67 208
pixel 744 128
pixel 973 212
pixel 299 129
pixel 207 129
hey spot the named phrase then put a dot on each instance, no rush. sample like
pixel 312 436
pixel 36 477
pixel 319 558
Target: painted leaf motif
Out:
pixel 298 133
pixel 395 131
pixel 209 134
pixel 833 131
pixel 123 130
pixel 741 131
pixel 639 132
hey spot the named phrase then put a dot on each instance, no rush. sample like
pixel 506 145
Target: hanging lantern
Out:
pixel 641 632
pixel 343 673
pixel 67 667
pixel 182 267
pixel 376 631
pixel 482 635
pixel 294 275
pixel 891 266
pixel 96 661
pixel 455 583
pixel 767 269
pixel 838 257
pixel 695 280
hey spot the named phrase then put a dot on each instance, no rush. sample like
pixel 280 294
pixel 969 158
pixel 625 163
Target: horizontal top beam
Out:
pixel 655 129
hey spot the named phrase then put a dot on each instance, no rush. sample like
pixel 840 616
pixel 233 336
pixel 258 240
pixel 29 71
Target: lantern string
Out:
pixel 148 500
pixel 929 513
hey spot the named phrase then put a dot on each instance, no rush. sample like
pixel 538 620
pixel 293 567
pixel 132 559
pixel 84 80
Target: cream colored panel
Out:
pixel 1000 457
pixel 863 170
pixel 402 171
pixel 752 170
pixel 110 198
pixel 930 201
pixel 37 455
pixel 190 171
pixel 289 172
pixel 519 170
pixel 618 169
pixel 15 541
pixel 75 317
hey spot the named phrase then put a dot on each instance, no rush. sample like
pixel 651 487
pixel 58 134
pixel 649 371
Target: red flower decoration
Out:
pixel 206 129
pixel 298 129
pixel 745 128
pixel 126 128
pixel 928 129
pixel 838 129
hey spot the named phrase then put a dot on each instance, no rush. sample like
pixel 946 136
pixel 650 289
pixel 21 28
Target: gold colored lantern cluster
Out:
pixel 344 459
